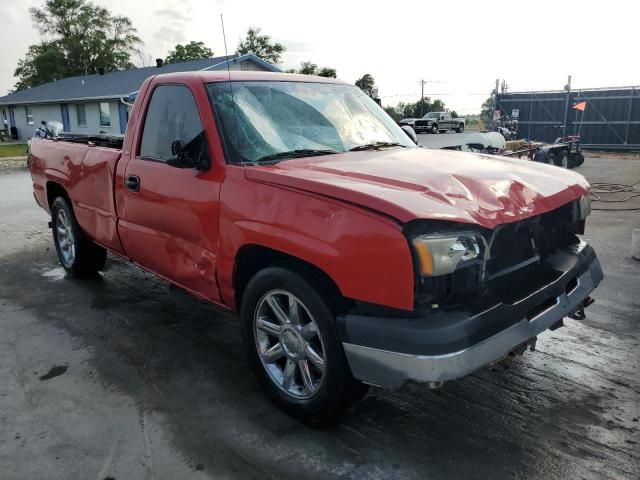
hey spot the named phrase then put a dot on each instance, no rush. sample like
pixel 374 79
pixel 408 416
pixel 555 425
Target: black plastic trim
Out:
pixel 443 332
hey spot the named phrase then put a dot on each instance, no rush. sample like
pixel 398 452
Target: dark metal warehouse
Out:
pixel 611 118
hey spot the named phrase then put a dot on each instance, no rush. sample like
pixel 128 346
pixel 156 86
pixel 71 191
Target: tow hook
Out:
pixel 505 362
pixel 579 313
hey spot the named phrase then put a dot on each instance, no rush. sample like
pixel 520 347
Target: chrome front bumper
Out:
pixel 391 369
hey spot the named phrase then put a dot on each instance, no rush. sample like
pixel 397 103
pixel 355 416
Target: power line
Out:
pixel 431 94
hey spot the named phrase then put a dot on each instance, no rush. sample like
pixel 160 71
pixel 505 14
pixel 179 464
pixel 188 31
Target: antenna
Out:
pixel 233 102
pixel 226 54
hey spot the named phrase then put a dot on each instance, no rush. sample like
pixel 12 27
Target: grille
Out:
pixel 516 265
pixel 518 244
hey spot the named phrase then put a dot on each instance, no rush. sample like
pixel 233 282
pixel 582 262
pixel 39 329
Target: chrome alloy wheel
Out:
pixel 289 344
pixel 66 241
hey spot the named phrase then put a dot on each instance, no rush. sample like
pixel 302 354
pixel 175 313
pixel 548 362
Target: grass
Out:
pixel 13 150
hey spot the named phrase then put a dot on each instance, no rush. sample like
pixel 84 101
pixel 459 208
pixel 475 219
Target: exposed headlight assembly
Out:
pixel 443 254
pixel 582 208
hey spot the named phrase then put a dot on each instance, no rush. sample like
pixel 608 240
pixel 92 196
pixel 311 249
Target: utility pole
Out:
pixel 422 82
pixel 567 88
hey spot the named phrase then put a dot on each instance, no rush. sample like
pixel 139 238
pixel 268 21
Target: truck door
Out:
pixel 447 121
pixel 169 223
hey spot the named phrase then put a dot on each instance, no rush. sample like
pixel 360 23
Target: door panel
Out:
pixel 169 222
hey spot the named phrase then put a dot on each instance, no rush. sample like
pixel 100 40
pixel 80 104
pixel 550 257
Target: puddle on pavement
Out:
pixel 55 274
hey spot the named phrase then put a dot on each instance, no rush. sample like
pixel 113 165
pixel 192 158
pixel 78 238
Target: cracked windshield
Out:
pixel 262 119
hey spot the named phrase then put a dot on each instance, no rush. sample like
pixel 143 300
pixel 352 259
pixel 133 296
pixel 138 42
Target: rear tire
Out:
pixel 294 348
pixel 577 159
pixel 562 159
pixel 77 254
pixel 551 158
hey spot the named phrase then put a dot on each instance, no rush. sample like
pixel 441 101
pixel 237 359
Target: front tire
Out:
pixel 294 348
pixel 460 128
pixel 77 254
pixel 434 128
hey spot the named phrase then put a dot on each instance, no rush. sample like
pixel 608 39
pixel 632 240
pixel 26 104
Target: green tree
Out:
pixel 309 68
pixel 261 46
pixel 486 114
pixel 43 63
pixel 327 72
pixel 78 38
pixel 190 51
pixel 437 106
pixel 393 113
pixel 366 83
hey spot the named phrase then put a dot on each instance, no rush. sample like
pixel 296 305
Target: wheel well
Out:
pixel 253 258
pixel 55 190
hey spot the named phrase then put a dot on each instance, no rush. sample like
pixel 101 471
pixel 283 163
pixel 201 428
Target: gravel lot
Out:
pixel 124 377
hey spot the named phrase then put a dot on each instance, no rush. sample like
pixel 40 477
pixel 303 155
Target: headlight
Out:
pixel 443 254
pixel 582 208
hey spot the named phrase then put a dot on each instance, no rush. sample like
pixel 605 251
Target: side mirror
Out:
pixel 182 160
pixel 441 117
pixel 184 157
pixel 177 147
pixel 411 133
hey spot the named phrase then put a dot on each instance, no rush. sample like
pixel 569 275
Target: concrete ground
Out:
pixel 123 377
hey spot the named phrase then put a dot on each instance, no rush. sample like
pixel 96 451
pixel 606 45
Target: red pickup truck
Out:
pixel 352 256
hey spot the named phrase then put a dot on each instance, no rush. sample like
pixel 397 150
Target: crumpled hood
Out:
pixel 417 183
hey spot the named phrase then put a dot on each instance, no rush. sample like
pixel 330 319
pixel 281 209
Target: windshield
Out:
pixel 432 115
pixel 265 120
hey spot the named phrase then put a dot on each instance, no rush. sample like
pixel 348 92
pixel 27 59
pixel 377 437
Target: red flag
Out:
pixel 580 105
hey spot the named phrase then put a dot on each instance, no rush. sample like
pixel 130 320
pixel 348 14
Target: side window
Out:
pixel 105 114
pixel 81 115
pixel 173 116
pixel 29 114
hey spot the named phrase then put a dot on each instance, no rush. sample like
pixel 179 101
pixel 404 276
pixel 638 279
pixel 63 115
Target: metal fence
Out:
pixel 610 121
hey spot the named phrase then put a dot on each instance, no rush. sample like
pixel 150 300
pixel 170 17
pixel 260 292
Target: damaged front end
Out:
pixel 481 296
pixel 499 265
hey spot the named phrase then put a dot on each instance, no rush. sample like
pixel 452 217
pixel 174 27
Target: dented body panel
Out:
pixel 432 184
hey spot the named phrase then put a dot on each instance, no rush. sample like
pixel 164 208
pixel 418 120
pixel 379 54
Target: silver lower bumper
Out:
pixel 392 369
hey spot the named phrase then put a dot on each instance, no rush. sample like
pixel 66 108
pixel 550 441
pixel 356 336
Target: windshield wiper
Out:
pixel 302 152
pixel 375 146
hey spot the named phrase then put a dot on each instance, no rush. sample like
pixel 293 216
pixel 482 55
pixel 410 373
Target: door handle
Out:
pixel 132 183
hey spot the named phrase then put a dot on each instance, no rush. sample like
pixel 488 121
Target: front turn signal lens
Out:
pixel 425 257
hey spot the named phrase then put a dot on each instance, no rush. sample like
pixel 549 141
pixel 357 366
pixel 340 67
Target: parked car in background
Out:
pixel 438 122
pixel 410 122
pixel 352 257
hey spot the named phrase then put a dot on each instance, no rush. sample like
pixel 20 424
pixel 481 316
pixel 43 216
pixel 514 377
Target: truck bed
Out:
pixel 86 171
pixel 99 140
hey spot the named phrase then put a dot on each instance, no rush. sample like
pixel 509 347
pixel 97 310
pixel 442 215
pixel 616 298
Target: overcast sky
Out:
pixel 460 47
